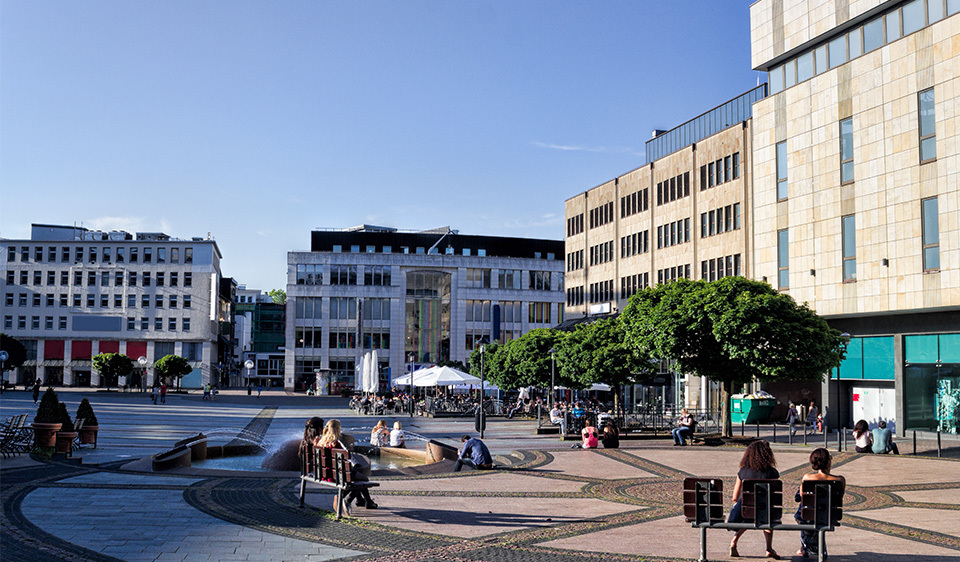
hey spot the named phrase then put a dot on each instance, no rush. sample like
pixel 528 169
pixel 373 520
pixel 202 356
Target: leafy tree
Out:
pixel 16 353
pixel 492 363
pixel 527 361
pixel 172 367
pixel 732 331
pixel 112 365
pixel 458 365
pixel 598 352
pixel 278 296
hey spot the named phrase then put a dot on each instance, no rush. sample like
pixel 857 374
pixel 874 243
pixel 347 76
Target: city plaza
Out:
pixel 545 501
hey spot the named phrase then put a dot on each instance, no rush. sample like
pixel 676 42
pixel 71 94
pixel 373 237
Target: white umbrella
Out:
pixel 600 386
pixel 415 376
pixel 443 376
pixel 373 383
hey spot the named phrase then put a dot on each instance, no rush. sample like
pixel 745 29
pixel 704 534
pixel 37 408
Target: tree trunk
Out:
pixel 726 389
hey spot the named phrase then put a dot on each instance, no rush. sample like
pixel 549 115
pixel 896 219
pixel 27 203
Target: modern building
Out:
pixel 70 293
pixel 259 326
pixel 414 297
pixel 856 196
pixel 684 214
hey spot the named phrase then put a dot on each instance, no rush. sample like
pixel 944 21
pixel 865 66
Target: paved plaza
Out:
pixel 545 502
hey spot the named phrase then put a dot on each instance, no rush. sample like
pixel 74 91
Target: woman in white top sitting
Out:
pixel 396 436
pixel 380 435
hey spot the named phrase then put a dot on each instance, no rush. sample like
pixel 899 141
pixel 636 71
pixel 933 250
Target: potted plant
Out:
pixel 47 421
pixel 66 434
pixel 88 433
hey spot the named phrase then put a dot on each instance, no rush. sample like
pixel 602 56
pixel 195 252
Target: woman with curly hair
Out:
pixel 757 463
pixel 863 440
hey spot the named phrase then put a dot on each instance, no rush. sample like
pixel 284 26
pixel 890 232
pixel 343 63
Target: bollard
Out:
pixel 804 434
pixel 774 432
pixel 914 442
pixel 742 424
pixel 824 436
pixel 938 442
pixel 790 434
pixel 758 430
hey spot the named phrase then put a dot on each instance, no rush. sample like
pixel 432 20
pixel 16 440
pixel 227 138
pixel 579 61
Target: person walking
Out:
pixel 36 392
pixel 153 393
pixel 163 393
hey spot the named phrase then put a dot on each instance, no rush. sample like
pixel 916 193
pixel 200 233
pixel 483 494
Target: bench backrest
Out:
pixel 703 500
pixel 821 502
pixel 761 501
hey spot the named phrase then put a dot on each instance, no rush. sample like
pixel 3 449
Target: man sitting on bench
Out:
pixel 475 454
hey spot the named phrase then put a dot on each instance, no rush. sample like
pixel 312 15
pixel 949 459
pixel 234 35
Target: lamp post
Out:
pixel 249 365
pixel 843 346
pixel 142 361
pixel 413 362
pixel 553 369
pixel 482 393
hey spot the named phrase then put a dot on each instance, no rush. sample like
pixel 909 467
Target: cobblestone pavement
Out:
pixel 546 502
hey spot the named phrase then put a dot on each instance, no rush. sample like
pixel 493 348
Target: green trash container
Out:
pixel 746 409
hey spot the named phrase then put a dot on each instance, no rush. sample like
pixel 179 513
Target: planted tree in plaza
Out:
pixel 172 367
pixel 732 331
pixel 598 352
pixel 490 368
pixel 111 366
pixel 528 363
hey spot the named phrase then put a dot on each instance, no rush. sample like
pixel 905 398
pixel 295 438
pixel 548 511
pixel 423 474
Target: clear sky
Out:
pixel 260 121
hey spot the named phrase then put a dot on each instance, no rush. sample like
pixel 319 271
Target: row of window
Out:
pixel 50 299
pixel 719 172
pixel 574 225
pixel 636 243
pixel 631 284
pixel 575 296
pixel 421 250
pixel 575 260
pixel 885 28
pixel 61 323
pixel 674 188
pixel 636 202
pixel 103 279
pixel 601 215
pixel 312 337
pixel 671 234
pixel 103 254
pixel 720 220
pixel 601 291
pixel 930 241
pixel 927 141
pixel 601 253
pixel 718 268
pixel 669 274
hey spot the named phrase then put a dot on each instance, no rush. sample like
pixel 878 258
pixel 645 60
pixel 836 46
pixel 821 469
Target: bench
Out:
pixel 821 504
pixel 331 468
pixel 15 436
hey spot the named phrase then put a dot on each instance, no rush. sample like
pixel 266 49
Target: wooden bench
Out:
pixel 761 505
pixel 331 468
pixel 15 436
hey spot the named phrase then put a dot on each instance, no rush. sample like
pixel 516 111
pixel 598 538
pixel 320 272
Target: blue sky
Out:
pixel 260 121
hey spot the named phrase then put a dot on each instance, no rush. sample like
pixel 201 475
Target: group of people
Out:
pixel 370 403
pixel 317 434
pixel 879 441
pixel 592 437
pixel 573 417
pixel 380 436
pixel 804 413
pixel 758 462
pixel 159 393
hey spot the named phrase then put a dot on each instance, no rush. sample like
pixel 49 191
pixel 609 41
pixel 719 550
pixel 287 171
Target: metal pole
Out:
pixel 758 430
pixel 774 432
pixel 743 423
pixel 804 433
pixel 914 442
pixel 703 544
pixel 482 393
pixel 938 443
pixel 824 428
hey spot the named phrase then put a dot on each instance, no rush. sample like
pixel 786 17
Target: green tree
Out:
pixel 732 331
pixel 111 366
pixel 278 296
pixel 491 367
pixel 172 367
pixel 598 352
pixel 527 361
pixel 16 353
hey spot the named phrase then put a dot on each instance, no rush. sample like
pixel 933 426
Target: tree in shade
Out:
pixel 111 366
pixel 172 367
pixel 16 352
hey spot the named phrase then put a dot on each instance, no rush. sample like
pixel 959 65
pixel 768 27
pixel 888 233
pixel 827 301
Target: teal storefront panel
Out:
pixel 920 349
pixel 852 366
pixel 878 359
pixel 950 348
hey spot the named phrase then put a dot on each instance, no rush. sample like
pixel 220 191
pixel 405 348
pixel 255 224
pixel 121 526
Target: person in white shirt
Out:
pixel 557 417
pixel 396 436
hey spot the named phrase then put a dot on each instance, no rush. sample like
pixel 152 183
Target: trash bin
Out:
pixel 750 409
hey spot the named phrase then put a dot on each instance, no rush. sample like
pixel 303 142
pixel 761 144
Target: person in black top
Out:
pixel 757 463
pixel 611 437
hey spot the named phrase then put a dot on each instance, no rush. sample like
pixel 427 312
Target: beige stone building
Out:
pixel 856 196
pixel 684 214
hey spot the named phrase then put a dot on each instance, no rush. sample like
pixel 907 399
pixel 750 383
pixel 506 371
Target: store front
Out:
pixel 932 382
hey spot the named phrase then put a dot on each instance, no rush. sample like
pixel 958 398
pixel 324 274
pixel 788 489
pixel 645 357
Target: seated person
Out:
pixel 332 439
pixel 863 441
pixel 380 435
pixel 590 435
pixel 396 436
pixel 684 428
pixel 474 453
pixel 820 462
pixel 558 417
pixel 611 437
pixel 579 415
pixel 883 440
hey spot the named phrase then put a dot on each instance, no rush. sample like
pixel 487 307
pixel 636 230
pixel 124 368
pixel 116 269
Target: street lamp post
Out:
pixel 553 368
pixel 142 361
pixel 249 365
pixel 482 393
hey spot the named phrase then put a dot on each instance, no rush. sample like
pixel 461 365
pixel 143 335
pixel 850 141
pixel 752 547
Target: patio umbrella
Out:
pixel 443 376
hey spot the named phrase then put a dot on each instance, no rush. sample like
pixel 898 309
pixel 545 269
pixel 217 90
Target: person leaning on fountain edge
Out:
pixel 474 453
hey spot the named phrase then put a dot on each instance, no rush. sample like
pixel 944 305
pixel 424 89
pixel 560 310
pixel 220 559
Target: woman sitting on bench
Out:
pixel 757 463
pixel 331 440
pixel 311 432
pixel 820 462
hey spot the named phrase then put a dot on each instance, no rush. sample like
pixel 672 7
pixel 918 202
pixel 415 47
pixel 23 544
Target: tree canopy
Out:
pixel 16 352
pixel 598 352
pixel 172 366
pixel 279 296
pixel 112 365
pixel 732 331
pixel 522 362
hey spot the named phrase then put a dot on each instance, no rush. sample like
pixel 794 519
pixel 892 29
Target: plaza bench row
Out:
pixel 331 468
pixel 821 508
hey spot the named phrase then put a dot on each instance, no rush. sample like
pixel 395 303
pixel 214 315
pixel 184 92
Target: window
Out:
pixel 106 255
pixel 913 18
pixel 838 51
pixel 64 278
pixel 158 302
pixel 51 278
pixel 186 301
pixel 172 324
pixel 185 324
pixel 120 255
pixel 854 43
pixel 117 301
pixel 118 281
pixel 849 248
pixel 12 253
pixel 134 254
pixel 148 255
pixel 10 277
pixel 91 301
pixel 172 301
pixel 540 280
pixel 36 299
pixel 8 322
pixel 846 151
pixel 931 234
pixel 161 255
pixel 539 312
pixel 160 279
pixel 736 165
pixel 308 307
pixel 377 275
pixel 478 278
pixel 23 277
pixel 820 59
pixel 174 279
pixel 342 308
pixel 132 279
pixel 376 309
pixel 893 26
pixel 781 170
pixel 873 35
pixel 63 300
pixel 104 301
pixel 174 255
pixel 511 278
pixel 158 324
pixel 144 323
pixel 91 278
pixel 187 256
pixel 783 259
pixel 76 301
pixel 131 301
pixel 343 275
pixel 145 301
pixel 104 279
pixel 131 323
pixel 38 253
pixel 62 321
pixel 187 279
pixel 928 129
pixel 477 311
pixel 52 254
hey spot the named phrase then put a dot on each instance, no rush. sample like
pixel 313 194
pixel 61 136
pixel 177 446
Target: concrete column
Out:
pixel 899 385
pixel 67 370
